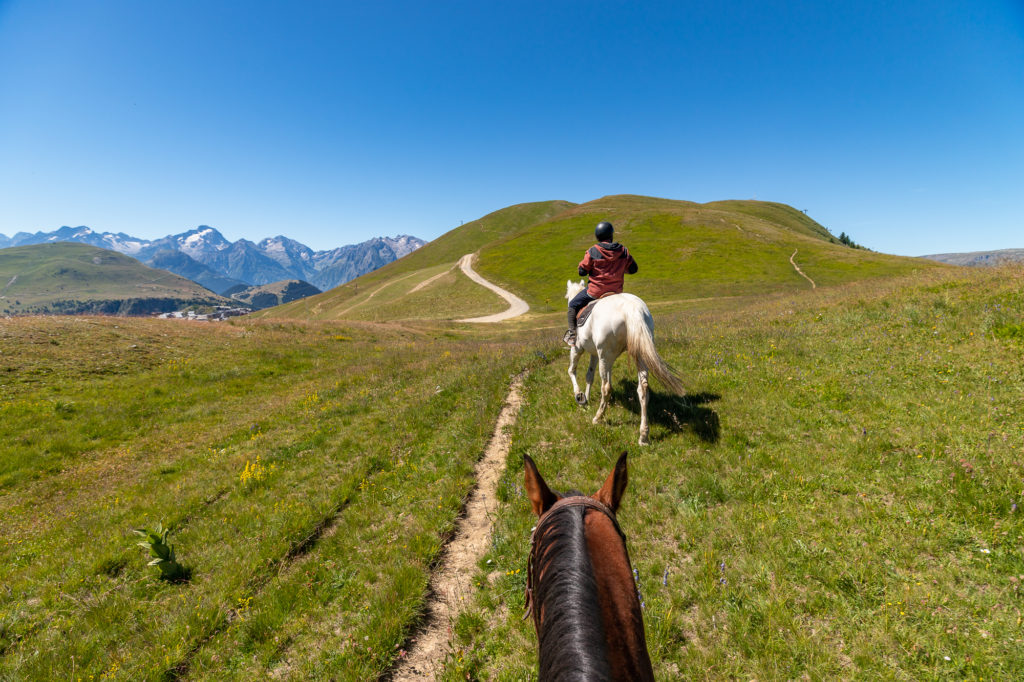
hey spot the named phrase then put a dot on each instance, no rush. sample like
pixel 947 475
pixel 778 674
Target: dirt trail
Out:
pixel 517 306
pixel 427 282
pixel 451 583
pixel 376 291
pixel 801 272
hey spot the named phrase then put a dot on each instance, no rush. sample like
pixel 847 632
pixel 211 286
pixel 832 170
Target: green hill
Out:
pixel 67 278
pixel 685 250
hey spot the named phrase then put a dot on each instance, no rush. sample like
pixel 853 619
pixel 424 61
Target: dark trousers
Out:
pixel 578 301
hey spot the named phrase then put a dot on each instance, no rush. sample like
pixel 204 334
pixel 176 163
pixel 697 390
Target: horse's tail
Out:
pixel 640 346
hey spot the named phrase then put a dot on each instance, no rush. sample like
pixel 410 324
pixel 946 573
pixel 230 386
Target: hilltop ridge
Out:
pixel 686 251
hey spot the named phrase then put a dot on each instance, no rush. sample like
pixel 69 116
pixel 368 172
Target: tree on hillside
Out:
pixel 846 241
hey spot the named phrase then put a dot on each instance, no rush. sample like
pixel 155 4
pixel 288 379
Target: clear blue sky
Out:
pixel 899 123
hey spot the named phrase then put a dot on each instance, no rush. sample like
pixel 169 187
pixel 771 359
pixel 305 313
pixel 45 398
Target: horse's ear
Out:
pixel 541 497
pixel 614 486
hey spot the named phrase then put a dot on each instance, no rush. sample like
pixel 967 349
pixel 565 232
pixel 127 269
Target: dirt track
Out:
pixel 517 306
pixel 451 583
pixel 801 272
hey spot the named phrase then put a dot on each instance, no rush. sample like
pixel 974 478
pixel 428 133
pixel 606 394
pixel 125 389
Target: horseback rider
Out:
pixel 606 264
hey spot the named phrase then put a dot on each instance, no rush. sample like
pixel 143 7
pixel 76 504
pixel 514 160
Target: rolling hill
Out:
pixel 685 250
pixel 70 278
pixel 275 293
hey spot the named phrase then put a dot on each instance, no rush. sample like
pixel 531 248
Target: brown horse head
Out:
pixel 580 584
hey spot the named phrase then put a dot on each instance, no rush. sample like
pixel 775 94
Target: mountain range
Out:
pixel 974 258
pixel 204 256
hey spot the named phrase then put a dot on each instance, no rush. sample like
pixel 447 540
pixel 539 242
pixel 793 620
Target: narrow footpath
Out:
pixel 451 585
pixel 801 272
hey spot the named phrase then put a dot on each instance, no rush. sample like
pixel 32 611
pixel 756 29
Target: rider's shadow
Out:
pixel 676 413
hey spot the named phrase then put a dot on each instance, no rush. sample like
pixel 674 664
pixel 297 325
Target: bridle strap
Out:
pixel 544 521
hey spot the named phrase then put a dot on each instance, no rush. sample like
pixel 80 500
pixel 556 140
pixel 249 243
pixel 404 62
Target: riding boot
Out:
pixel 570 336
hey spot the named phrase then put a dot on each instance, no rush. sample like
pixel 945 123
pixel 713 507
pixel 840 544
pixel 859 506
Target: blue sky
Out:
pixel 899 123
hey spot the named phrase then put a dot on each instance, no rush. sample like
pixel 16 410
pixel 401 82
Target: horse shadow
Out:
pixel 676 413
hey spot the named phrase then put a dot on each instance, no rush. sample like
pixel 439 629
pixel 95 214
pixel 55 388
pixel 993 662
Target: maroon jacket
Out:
pixel 606 264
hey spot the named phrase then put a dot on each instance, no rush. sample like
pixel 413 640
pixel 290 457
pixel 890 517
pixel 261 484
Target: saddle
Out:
pixel 584 314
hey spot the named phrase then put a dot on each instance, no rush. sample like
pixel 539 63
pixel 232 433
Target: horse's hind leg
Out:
pixel 642 393
pixel 605 368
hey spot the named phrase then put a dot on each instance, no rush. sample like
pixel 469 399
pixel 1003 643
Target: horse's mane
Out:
pixel 572 638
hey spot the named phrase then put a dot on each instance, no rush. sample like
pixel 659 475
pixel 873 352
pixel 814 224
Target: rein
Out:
pixel 574 501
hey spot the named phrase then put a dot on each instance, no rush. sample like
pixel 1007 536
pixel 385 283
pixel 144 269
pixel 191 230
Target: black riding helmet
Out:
pixel 604 232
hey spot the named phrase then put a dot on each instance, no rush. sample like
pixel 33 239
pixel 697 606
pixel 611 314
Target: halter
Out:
pixel 564 503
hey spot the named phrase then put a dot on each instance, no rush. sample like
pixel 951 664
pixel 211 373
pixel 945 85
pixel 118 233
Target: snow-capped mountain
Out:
pixel 205 256
pixel 105 240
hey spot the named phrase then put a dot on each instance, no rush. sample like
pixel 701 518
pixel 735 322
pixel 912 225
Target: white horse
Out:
pixel 618 323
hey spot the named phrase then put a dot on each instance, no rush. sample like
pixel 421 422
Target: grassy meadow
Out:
pixel 309 474
pixel 837 497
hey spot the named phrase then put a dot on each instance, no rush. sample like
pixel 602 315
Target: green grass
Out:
pixel 124 424
pixel 65 277
pixel 685 251
pixel 838 498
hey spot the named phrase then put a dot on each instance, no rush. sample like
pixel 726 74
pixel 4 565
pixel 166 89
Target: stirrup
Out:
pixel 569 337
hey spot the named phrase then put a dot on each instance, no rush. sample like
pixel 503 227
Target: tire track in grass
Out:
pixel 428 282
pixel 367 299
pixel 451 582
pixel 259 580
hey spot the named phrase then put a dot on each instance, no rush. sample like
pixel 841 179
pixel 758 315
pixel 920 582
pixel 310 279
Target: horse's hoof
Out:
pixel 581 399
pixel 644 441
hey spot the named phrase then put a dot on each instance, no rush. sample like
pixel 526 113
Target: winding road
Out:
pixel 517 306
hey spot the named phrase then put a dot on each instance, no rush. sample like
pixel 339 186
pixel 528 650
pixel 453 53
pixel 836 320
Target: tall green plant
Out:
pixel 163 553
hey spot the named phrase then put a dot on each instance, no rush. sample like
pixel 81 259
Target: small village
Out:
pixel 220 313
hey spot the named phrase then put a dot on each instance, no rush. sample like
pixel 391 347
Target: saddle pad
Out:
pixel 584 314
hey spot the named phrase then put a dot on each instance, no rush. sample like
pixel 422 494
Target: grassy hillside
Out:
pixel 74 278
pixel 685 250
pixel 442 253
pixel 838 497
